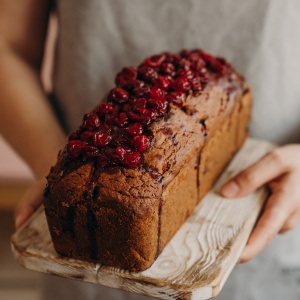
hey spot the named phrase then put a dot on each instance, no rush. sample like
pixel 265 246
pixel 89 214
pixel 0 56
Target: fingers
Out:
pixel 281 214
pixel 291 222
pixel 270 223
pixel 28 204
pixel 268 168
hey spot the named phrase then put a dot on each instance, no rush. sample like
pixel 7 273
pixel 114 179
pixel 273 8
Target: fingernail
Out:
pixel 230 189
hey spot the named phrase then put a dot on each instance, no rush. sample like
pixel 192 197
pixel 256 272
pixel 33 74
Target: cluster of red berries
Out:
pixel 115 133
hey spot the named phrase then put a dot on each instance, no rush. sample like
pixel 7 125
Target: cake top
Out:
pixel 117 131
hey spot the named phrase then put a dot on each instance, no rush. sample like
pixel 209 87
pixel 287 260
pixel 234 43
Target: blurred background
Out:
pixel 15 282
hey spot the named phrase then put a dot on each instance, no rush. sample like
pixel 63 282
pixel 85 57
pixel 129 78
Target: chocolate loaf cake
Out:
pixel 140 162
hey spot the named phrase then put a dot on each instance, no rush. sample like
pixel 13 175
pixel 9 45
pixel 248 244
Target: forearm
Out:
pixel 26 118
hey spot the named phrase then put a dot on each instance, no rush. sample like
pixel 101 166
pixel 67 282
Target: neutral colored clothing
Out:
pixel 260 37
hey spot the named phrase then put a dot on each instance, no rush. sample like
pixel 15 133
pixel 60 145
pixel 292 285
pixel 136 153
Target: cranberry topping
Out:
pixel 140 142
pixel 116 131
pixel 163 83
pixel 126 75
pixel 91 121
pixel 177 98
pixel 154 61
pixel 118 95
pixel 135 129
pixel 90 151
pixel 105 108
pixel 87 135
pixel 147 73
pixel 101 139
pixel 181 84
pixel 74 148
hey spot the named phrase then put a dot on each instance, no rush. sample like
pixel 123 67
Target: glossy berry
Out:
pixel 163 83
pixel 156 93
pixel 91 121
pixel 139 102
pixel 118 95
pixel 134 84
pixel 188 74
pixel 213 64
pixel 101 139
pixel 103 160
pixel 181 84
pixel 154 61
pixel 122 120
pixel 75 148
pixel 73 136
pixel 141 91
pixel 147 73
pixel 140 142
pixel 176 98
pixel 184 64
pixel 196 84
pixel 135 129
pixel 86 135
pixel 90 151
pixel 125 76
pixel 105 108
pixel 132 159
pixel 167 68
pixel 160 105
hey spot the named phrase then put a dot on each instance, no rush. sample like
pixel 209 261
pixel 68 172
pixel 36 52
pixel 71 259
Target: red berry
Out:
pixel 101 139
pixel 73 136
pixel 188 74
pixel 172 58
pixel 105 108
pixel 147 73
pixel 132 159
pixel 156 93
pixel 184 63
pixel 181 84
pixel 196 85
pixel 118 95
pixel 122 120
pixel 138 102
pixel 90 151
pixel 91 121
pixel 134 84
pixel 177 98
pixel 121 139
pixel 154 61
pixel 163 83
pixel 140 142
pixel 135 129
pixel 141 91
pixel 167 68
pixel 213 64
pixel 130 72
pixel 126 75
pixel 135 117
pixel 103 160
pixel 119 154
pixel 75 148
pixel 160 105
pixel 87 135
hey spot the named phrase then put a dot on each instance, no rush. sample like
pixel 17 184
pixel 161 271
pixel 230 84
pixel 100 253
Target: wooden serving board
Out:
pixel 194 265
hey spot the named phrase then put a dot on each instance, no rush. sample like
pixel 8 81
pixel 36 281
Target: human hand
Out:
pixel 280 170
pixel 30 202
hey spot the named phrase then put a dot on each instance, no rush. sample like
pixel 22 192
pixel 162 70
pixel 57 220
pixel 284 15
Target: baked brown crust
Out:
pixel 123 217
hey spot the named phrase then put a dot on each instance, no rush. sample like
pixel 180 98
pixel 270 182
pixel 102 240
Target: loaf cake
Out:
pixel 140 162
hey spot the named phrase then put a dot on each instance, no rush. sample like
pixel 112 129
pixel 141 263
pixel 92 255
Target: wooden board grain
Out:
pixel 194 265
